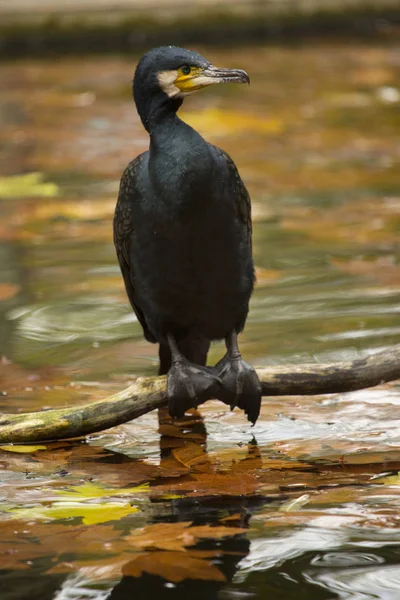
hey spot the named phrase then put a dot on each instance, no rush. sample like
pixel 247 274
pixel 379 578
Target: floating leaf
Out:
pixel 176 536
pixel 89 490
pixel 240 483
pixel 390 479
pixel 169 497
pixel 90 513
pixel 21 542
pixel 173 566
pixel 191 454
pixel 21 449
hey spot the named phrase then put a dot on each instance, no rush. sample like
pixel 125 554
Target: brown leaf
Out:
pixel 191 455
pixel 176 536
pixel 211 484
pixel 22 542
pixel 173 566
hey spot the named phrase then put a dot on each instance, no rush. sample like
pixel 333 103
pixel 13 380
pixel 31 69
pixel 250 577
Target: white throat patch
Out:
pixel 167 80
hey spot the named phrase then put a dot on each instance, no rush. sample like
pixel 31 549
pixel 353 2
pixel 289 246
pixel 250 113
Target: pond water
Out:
pixel 305 505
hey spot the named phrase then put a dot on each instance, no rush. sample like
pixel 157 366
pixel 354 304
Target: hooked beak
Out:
pixel 216 75
pixel 209 76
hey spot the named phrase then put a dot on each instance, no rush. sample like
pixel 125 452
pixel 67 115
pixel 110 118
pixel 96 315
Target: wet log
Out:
pixel 149 393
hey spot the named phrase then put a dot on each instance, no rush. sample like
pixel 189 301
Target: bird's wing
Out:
pixel 123 228
pixel 239 192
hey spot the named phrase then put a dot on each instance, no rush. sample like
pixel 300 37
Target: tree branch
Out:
pixel 148 393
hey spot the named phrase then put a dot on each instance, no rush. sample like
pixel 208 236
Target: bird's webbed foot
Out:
pixel 189 385
pixel 240 384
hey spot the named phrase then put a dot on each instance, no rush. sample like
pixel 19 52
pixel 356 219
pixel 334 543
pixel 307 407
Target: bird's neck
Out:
pixel 165 129
pixel 168 133
pixel 158 115
pixel 179 156
pixel 157 110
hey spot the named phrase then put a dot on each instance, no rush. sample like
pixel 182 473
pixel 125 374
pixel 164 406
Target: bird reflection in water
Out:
pixel 225 554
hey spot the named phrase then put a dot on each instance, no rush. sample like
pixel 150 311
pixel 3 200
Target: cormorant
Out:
pixel 182 232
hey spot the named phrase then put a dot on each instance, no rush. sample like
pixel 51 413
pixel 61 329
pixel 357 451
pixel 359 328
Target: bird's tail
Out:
pixel 194 349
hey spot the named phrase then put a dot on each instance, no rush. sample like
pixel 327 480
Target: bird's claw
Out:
pixel 189 385
pixel 240 386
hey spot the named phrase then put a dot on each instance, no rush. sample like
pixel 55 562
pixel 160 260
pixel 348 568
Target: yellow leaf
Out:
pixel 87 491
pixel 90 513
pixel 22 449
pixel 170 497
pixel 30 184
pixel 390 479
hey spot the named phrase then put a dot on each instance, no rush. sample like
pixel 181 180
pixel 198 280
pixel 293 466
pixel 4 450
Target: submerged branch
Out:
pixel 149 393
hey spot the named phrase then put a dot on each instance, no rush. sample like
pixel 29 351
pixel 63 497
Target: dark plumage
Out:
pixel 182 231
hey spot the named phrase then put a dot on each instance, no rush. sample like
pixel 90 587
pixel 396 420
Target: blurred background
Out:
pixel 316 140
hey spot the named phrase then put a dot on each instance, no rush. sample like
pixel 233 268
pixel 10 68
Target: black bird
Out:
pixel 182 232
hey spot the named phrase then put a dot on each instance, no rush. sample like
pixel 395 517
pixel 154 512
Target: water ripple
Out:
pixel 346 559
pixel 381 583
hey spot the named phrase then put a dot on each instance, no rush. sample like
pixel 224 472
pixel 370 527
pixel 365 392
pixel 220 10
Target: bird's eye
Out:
pixel 185 69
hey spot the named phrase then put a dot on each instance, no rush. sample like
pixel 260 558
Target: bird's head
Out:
pixel 167 74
